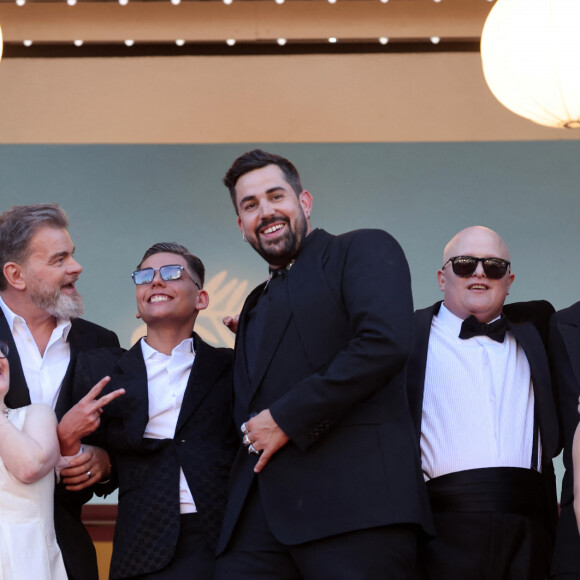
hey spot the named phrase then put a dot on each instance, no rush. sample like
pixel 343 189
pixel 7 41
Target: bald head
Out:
pixel 476 294
pixel 476 237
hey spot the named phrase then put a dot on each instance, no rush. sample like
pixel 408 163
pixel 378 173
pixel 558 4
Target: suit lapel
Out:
pixel 417 363
pixel 544 406
pixel 201 379
pixel 18 395
pixel 131 374
pixel 571 337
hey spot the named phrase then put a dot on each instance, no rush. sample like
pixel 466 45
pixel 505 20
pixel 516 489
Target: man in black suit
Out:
pixel 485 416
pixel 331 486
pixel 171 434
pixel 564 348
pixel 39 320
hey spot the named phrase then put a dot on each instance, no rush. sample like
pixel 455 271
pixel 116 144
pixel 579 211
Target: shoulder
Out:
pixel 100 358
pixel 203 349
pixel 536 312
pixel 39 411
pixel 367 245
pixel 366 236
pixel 568 315
pixel 82 326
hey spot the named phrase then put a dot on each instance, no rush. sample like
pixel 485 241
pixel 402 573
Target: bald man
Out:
pixel 484 412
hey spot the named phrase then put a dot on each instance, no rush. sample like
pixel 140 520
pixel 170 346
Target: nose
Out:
pixel 157 279
pixel 479 270
pixel 74 267
pixel 266 208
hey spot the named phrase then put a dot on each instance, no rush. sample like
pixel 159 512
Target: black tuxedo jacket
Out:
pixel 74 541
pixel 204 445
pixel 527 323
pixel 329 369
pixel 565 360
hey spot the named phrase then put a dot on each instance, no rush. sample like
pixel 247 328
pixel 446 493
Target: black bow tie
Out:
pixel 495 330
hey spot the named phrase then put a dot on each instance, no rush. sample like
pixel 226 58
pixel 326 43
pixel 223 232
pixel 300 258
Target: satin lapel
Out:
pixel 18 395
pixel 202 377
pixel 279 315
pixel 544 407
pixel 417 362
pixel 131 374
pixel 571 337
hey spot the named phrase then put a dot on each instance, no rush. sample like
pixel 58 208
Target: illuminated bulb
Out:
pixel 20 2
pixel 71 2
pixel 78 42
pixel 175 2
pixel 230 41
pixel 384 1
pixel 281 41
pixel 228 2
pixel 383 40
pixel 123 2
pixel 27 42
pixel 129 42
pixel 435 39
pixel 437 1
pixel 332 39
pixel 332 1
pixel 279 2
pixel 180 42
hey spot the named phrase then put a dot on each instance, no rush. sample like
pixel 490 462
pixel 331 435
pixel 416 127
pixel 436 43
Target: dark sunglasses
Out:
pixel 465 266
pixel 4 349
pixel 167 273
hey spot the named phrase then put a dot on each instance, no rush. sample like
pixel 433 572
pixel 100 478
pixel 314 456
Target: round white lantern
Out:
pixel 530 50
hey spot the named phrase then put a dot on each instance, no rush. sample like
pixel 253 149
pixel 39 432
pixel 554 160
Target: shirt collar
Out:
pixel 451 322
pixel 63 324
pixel 185 347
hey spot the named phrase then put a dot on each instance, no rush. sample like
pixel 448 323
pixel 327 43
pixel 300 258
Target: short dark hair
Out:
pixel 17 227
pixel 257 159
pixel 195 264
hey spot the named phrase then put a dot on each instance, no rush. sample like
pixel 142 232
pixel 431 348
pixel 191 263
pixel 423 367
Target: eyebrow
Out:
pixel 268 191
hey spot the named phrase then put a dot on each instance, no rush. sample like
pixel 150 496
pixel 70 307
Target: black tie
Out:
pixel 495 330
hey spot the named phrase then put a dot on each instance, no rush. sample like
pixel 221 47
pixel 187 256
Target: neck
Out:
pixel 165 339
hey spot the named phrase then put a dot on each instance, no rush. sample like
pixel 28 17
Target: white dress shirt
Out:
pixel 167 377
pixel 43 373
pixel 478 406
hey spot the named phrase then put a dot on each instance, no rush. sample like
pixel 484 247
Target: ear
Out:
pixel 202 300
pixel 241 226
pixel 138 315
pixel 510 281
pixel 441 280
pixel 306 202
pixel 13 274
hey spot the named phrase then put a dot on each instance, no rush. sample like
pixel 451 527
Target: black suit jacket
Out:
pixel 565 360
pixel 527 320
pixel 329 369
pixel 204 445
pixel 74 541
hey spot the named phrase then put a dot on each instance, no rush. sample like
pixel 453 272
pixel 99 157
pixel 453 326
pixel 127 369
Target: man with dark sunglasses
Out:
pixel 171 435
pixel 480 392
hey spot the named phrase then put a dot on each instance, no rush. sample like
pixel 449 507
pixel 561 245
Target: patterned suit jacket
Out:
pixel 204 444
pixel 74 541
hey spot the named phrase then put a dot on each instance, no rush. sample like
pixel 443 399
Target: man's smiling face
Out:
pixel 272 217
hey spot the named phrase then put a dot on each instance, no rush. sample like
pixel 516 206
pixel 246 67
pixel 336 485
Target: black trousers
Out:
pixel 382 553
pixel 193 558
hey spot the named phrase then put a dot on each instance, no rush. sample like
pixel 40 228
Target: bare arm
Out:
pixel 31 453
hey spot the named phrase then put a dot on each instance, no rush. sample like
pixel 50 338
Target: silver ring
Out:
pixel 252 449
pixel 244 429
pixel 247 440
pixel 89 474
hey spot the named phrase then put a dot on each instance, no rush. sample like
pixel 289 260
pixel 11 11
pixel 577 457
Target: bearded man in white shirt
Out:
pixel 39 320
pixel 480 392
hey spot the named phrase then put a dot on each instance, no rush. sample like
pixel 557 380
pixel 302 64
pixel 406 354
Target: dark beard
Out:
pixel 281 251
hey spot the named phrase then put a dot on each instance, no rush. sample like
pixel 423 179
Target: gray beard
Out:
pixel 55 303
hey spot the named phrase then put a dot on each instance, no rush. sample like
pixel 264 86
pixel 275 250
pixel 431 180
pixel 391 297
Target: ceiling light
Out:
pixel 71 2
pixel 279 2
pixel 175 2
pixel 383 40
pixel 231 41
pixel 435 39
pixel 281 41
pixel 332 39
pixel 332 1
pixel 123 2
pixel 20 2
pixel 228 2
pixel 129 42
pixel 180 42
pixel 78 42
pixel 27 42
pixel 384 1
